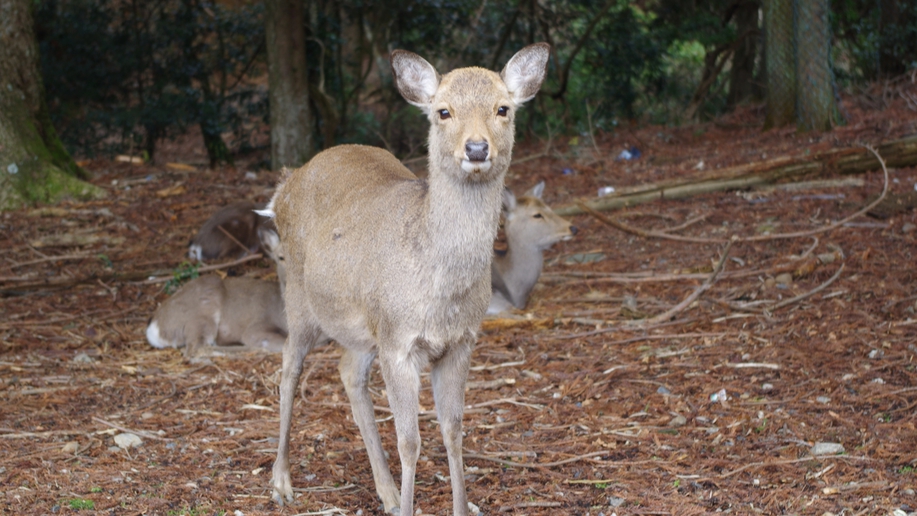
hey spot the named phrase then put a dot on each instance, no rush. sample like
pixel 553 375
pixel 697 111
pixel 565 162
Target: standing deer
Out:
pixel 531 228
pixel 211 316
pixel 387 264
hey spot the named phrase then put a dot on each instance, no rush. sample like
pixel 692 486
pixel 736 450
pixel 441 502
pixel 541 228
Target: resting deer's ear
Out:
pixel 415 78
pixel 525 72
pixel 536 191
pixel 509 201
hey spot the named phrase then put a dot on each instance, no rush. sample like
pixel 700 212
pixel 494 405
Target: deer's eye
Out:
pixel 444 114
pixel 538 216
pixel 502 111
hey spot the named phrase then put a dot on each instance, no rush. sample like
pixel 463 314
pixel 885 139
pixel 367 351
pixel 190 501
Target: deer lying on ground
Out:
pixel 531 228
pixel 390 265
pixel 211 316
pixel 233 229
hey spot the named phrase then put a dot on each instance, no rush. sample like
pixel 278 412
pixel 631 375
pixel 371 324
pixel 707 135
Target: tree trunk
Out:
pixel 815 104
pixel 781 63
pixel 33 163
pixel 742 75
pixel 291 120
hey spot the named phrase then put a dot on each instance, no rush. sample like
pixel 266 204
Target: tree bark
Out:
pixel 291 120
pixel 781 63
pixel 34 167
pixel 815 104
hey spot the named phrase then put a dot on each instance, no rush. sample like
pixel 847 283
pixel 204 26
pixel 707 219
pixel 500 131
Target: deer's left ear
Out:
pixel 536 191
pixel 525 72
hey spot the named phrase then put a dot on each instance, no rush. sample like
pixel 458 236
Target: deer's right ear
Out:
pixel 415 78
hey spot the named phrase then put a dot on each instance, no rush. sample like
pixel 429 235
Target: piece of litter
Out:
pixel 82 358
pixel 719 396
pixel 127 440
pixel 827 449
pixel 629 154
pixel 256 407
pixel 606 190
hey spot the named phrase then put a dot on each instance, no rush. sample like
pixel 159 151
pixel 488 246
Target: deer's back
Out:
pixel 246 302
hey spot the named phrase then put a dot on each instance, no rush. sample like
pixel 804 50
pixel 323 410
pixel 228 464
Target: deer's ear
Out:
pixel 536 191
pixel 525 72
pixel 509 201
pixel 415 78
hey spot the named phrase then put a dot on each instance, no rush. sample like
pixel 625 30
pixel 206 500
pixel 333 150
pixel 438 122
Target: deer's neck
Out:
pixel 520 269
pixel 462 221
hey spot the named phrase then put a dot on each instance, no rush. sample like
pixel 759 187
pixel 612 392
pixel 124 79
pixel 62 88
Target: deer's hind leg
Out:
pixel 355 368
pixel 302 338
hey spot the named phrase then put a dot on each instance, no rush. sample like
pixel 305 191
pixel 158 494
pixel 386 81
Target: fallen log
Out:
pixel 897 153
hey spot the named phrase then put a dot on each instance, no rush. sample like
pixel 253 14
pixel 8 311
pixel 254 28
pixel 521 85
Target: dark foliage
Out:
pixel 123 74
pixel 120 76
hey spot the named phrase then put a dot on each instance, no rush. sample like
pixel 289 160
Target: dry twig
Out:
pixel 675 310
pixel 816 290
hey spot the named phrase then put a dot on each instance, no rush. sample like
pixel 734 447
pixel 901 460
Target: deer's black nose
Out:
pixel 477 151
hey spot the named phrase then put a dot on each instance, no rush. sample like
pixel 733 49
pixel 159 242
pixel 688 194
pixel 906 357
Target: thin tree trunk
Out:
pixel 897 43
pixel 815 105
pixel 291 119
pixel 741 77
pixel 781 63
pixel 33 163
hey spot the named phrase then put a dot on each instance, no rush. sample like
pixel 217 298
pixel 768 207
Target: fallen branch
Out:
pixel 532 465
pixel 149 276
pixel 900 153
pixel 208 268
pixel 758 238
pixel 530 505
pixel 141 433
pixel 62 257
pixel 791 461
pixel 623 327
pixel 234 240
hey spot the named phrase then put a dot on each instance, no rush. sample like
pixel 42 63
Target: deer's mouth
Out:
pixel 476 167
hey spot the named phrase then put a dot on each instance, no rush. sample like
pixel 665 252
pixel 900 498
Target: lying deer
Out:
pixel 233 229
pixel 387 264
pixel 211 316
pixel 531 228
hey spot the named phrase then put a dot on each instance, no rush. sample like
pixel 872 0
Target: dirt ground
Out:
pixel 574 406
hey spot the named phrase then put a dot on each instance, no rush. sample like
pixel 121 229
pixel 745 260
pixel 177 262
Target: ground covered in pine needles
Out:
pixel 659 371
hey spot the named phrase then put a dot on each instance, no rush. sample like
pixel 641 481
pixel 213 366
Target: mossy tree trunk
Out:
pixel 291 118
pixel 34 167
